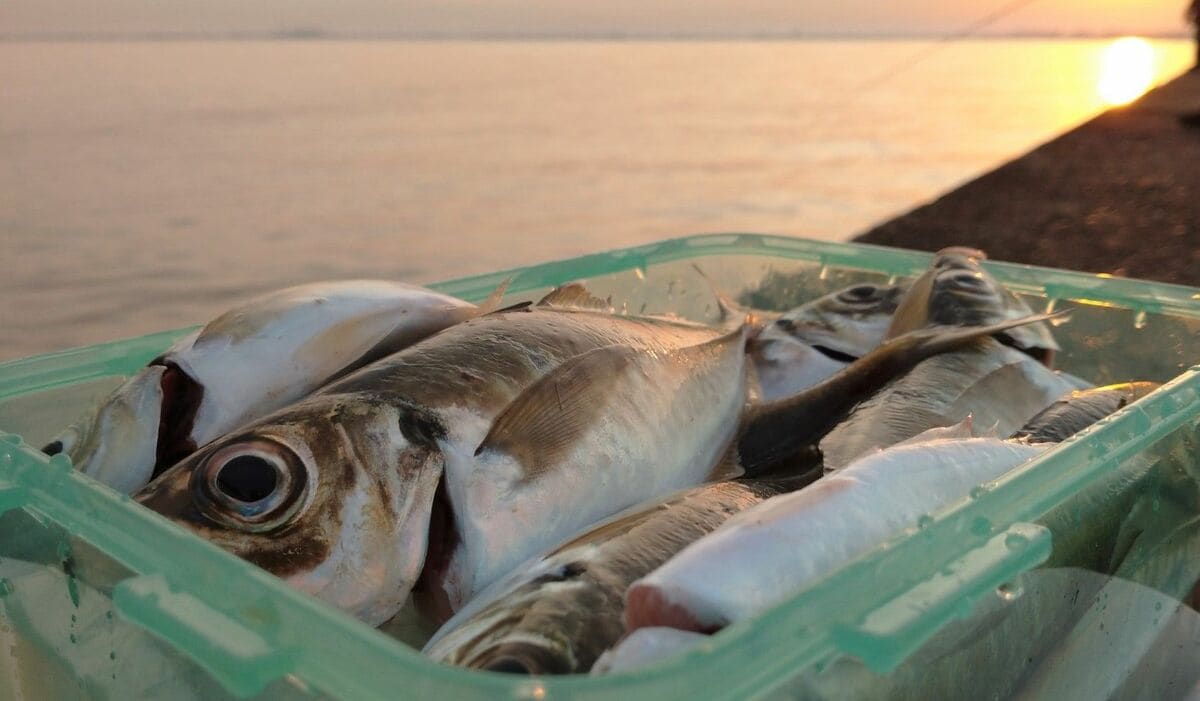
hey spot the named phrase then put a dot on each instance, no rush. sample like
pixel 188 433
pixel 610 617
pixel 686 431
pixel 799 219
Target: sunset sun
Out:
pixel 1126 71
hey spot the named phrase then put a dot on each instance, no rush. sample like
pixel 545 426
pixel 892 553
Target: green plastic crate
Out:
pixel 100 598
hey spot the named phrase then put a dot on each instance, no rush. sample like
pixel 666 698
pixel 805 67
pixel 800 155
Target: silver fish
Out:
pixel 1000 386
pixel 811 342
pixel 253 359
pixel 527 425
pixel 460 457
pixel 783 434
pixel 769 552
pixel 555 616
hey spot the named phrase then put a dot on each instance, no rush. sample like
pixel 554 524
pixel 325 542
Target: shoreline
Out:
pixel 1119 194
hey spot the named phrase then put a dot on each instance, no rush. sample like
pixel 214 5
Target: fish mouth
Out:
pixel 804 334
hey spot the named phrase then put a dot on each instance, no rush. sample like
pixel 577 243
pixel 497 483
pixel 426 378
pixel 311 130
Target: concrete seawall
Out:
pixel 1119 194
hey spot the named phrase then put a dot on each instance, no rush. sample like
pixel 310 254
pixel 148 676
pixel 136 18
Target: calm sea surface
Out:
pixel 146 186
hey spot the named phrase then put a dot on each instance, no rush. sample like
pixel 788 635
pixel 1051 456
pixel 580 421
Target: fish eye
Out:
pixel 859 294
pixel 253 485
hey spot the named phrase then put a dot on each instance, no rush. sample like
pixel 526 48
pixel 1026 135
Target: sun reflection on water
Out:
pixel 1127 71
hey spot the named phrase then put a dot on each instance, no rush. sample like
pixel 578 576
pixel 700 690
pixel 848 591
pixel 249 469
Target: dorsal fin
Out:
pixel 544 421
pixel 731 315
pixel 575 296
pixel 729 310
pixel 958 431
pixel 492 303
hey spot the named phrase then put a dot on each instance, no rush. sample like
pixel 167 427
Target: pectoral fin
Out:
pixel 545 420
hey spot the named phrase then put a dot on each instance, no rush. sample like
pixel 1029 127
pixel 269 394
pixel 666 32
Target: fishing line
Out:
pixel 889 73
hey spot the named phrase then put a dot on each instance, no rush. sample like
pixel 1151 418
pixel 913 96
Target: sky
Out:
pixel 585 17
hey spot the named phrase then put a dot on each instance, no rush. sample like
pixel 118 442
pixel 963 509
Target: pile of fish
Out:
pixel 567 489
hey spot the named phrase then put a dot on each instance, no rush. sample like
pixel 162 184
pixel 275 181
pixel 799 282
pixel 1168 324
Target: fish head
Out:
pixel 843 325
pixel 331 495
pixel 957 291
pixel 117 442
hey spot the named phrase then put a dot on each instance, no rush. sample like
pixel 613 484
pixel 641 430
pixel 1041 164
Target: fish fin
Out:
pixel 544 421
pixel 912 312
pixel 492 303
pixel 731 314
pixel 960 430
pixel 575 296
pixel 518 307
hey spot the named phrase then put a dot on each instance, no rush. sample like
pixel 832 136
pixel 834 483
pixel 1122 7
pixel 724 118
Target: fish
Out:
pixel 811 342
pixel 999 387
pixel 998 382
pixel 768 553
pixel 956 290
pixel 771 551
pixel 1079 409
pixel 783 434
pixel 556 615
pixel 458 458
pixel 255 358
pixel 444 466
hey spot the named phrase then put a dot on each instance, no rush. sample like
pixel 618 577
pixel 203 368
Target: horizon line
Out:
pixel 631 36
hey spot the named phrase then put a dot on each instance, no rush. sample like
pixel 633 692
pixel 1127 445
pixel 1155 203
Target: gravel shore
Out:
pixel 1120 195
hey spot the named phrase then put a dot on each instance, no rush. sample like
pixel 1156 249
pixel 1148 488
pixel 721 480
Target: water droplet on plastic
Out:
pixel 823 274
pixel 537 692
pixel 109 615
pixel 1139 320
pixel 112 655
pixel 925 521
pixel 1009 591
pixel 1158 606
pixel 6 586
pixel 1155 504
pixel 72 637
pixel 72 618
pixel 641 274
